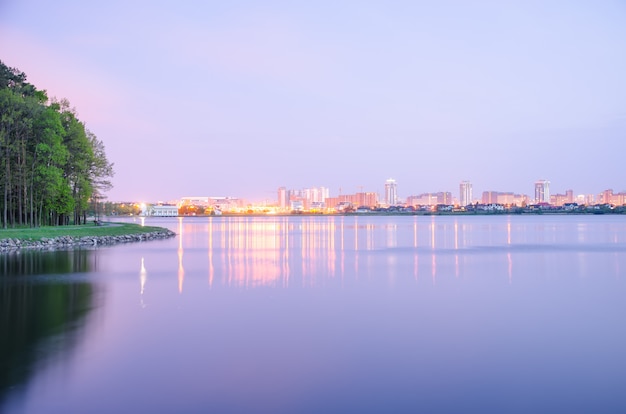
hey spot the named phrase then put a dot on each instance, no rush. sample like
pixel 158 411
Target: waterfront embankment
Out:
pixel 63 237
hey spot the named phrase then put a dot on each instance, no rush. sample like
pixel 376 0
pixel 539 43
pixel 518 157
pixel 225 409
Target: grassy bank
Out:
pixel 107 229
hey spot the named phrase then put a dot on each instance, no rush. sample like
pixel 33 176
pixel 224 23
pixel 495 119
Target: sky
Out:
pixel 237 98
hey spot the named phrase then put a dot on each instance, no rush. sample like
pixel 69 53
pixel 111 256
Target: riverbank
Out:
pixel 62 237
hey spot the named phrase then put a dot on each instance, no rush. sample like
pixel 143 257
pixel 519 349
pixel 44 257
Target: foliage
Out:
pixel 51 166
pixel 117 209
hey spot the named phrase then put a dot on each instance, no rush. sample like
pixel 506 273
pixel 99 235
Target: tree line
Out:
pixel 51 166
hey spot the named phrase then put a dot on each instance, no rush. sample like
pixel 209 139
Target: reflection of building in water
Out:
pixel 143 278
pixel 432 233
pixel 254 251
pixel 508 231
pixel 211 267
pixel 415 253
pixel 456 248
pixel 282 251
pixel 392 235
pixel 181 269
pixel 257 251
pixel 307 251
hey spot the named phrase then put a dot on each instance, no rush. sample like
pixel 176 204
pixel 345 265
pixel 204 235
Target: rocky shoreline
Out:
pixel 65 242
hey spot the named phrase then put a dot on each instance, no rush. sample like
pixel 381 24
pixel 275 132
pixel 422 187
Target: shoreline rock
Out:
pixel 64 242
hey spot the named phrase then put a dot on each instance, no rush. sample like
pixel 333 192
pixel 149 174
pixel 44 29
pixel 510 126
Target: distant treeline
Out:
pixel 51 166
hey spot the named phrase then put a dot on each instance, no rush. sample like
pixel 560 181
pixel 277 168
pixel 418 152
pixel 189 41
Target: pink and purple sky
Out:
pixel 237 98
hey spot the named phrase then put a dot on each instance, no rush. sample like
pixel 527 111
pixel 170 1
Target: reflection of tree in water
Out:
pixel 40 318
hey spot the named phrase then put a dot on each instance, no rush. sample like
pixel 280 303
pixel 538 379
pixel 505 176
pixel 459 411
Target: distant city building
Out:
pixel 195 201
pixel 562 199
pixel 211 203
pixel 391 192
pixel 304 199
pixel 164 210
pixel 542 191
pixel 557 199
pixel 605 197
pixel 489 197
pixel 317 206
pixel 609 197
pixel 283 197
pixel 430 199
pixel 425 199
pixel 504 198
pixel 585 199
pixel 315 194
pixel 296 205
pixel 355 200
pixel 465 193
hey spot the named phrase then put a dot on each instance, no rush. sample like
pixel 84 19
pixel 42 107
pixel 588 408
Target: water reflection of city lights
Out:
pixel 255 250
pixel 181 269
pixel 456 248
pixel 280 251
pixel 508 231
pixel 432 233
pixel 210 251
pixel 143 278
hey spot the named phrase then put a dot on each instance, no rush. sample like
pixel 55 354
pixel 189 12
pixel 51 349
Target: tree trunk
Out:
pixel 6 187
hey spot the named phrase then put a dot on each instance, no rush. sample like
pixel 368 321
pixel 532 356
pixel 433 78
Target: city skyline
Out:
pixel 475 193
pixel 390 196
pixel 241 98
pixel 319 197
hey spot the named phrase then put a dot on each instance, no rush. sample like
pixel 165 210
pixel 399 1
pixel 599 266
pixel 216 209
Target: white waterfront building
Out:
pixel 164 210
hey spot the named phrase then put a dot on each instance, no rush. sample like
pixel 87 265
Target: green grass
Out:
pixel 108 229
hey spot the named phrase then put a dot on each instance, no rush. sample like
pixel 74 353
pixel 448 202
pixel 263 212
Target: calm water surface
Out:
pixel 323 315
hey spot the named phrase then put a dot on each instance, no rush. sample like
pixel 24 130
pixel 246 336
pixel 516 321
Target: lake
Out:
pixel 325 314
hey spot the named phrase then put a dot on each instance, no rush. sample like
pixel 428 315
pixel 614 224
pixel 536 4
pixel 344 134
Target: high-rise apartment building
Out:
pixel 542 191
pixel 283 197
pixel 306 197
pixel 465 193
pixel 391 192
pixel 355 200
pixel 430 199
pixel 489 197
